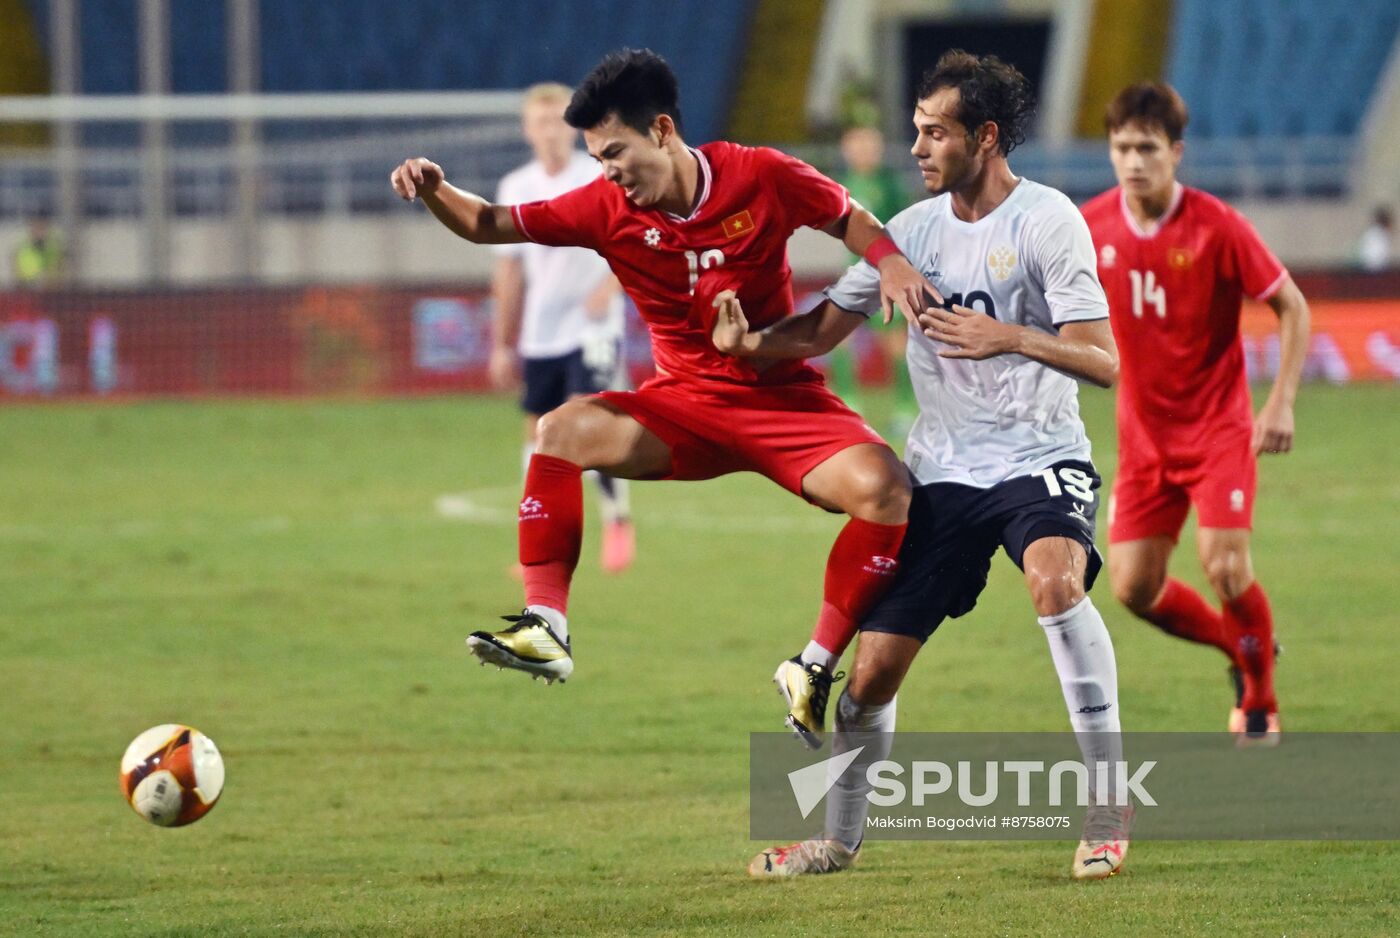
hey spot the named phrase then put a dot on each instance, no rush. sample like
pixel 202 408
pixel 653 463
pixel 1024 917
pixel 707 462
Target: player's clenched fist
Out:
pixel 415 177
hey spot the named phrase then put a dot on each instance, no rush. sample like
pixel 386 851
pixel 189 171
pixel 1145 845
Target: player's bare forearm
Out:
pixel 857 230
pixel 472 217
pixel 1084 350
pixel 1295 325
pixel 466 215
pixel 1273 426
pixel 601 299
pixel 806 335
pixel 508 298
pixel 901 284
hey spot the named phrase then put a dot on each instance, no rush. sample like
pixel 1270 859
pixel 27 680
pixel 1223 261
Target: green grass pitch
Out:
pixel 278 575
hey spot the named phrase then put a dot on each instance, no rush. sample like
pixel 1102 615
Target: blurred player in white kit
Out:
pixel 559 310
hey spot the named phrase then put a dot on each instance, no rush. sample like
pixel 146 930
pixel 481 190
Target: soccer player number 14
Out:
pixel 1146 289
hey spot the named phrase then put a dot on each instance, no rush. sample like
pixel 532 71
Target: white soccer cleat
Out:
pixel 529 645
pixel 1104 844
pixel 817 855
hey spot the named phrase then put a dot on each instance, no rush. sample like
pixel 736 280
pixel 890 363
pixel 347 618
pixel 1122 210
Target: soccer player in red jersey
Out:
pixel 1175 263
pixel 679 225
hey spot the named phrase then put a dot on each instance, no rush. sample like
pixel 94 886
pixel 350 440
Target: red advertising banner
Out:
pixel 1352 340
pixel 322 340
pixel 369 340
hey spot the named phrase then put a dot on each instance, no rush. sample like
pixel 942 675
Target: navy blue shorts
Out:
pixel 549 382
pixel 955 529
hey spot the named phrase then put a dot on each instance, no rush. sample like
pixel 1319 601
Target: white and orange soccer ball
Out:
pixel 172 775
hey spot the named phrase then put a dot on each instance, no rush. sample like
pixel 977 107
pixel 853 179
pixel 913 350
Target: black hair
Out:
pixel 988 90
pixel 635 84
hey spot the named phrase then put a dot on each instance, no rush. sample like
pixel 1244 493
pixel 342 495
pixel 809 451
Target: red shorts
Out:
pixel 1153 491
pixel 713 428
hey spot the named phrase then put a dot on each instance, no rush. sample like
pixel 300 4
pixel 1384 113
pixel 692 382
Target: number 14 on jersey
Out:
pixel 1146 290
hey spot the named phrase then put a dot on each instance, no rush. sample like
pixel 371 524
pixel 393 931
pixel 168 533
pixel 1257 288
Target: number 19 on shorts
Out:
pixel 1078 483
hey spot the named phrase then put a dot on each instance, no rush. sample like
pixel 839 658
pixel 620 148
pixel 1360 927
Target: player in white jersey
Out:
pixel 559 310
pixel 998 451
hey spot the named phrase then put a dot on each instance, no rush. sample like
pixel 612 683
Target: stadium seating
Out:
pixel 352 45
pixel 1253 69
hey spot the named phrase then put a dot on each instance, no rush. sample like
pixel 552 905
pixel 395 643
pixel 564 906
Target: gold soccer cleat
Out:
pixel 529 645
pixel 806 688
pixel 817 855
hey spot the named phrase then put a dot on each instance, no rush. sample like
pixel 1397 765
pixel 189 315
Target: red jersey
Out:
pixel 750 202
pixel 1174 297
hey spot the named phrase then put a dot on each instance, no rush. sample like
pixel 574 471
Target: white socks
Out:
pixel 856 725
pixel 1083 655
pixel 556 620
pixel 615 503
pixel 816 654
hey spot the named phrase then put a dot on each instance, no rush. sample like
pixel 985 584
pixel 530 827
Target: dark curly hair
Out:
pixel 988 90
pixel 635 84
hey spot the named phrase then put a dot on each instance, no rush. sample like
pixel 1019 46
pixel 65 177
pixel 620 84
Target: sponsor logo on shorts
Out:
pixel 532 509
pixel 1237 500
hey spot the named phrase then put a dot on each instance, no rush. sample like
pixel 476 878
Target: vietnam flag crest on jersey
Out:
pixel 740 224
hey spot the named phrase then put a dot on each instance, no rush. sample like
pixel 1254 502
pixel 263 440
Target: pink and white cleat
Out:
pixel 817 855
pixel 1104 844
pixel 619 546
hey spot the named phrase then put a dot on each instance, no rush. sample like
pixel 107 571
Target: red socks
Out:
pixel 551 530
pixel 1183 612
pixel 1249 620
pixel 860 568
pixel 1245 633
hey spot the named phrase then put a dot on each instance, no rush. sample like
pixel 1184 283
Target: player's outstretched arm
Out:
pixel 1273 428
pixel 466 215
pixel 1085 350
pixel 804 336
pixel 902 287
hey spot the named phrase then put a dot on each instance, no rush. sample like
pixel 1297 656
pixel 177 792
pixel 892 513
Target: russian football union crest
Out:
pixel 1001 261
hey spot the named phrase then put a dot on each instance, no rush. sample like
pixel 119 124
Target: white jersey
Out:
pixel 1029 262
pixel 557 280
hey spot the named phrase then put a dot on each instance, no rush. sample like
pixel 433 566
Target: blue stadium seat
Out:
pixel 352 45
pixel 1268 70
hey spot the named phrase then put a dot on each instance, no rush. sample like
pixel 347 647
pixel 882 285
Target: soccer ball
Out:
pixel 172 775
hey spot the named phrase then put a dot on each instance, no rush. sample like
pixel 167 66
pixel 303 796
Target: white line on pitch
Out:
pixel 469 507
